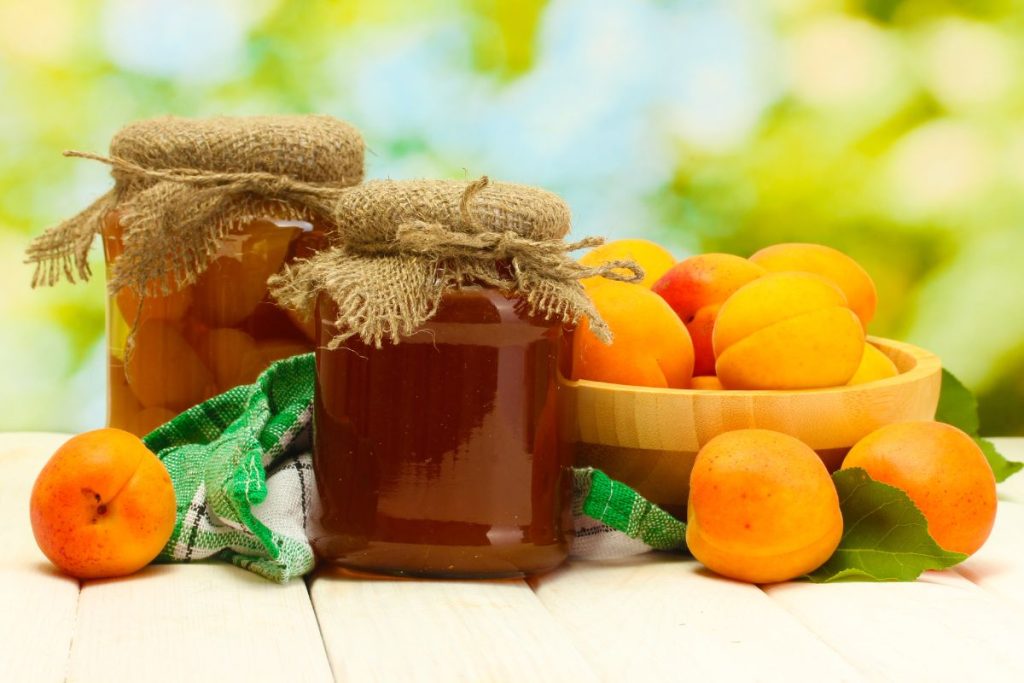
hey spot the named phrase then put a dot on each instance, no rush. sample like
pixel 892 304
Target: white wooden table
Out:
pixel 646 619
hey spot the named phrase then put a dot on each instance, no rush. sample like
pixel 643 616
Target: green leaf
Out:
pixel 957 405
pixel 885 536
pixel 1001 467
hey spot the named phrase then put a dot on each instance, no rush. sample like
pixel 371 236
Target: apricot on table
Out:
pixel 652 257
pixel 829 263
pixel 943 471
pixel 762 507
pixel 163 370
pixel 787 331
pixel 651 346
pixel 874 365
pixel 235 282
pixel 103 505
pixel 695 288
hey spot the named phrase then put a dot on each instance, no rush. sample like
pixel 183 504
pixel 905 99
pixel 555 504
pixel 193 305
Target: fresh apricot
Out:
pixel 103 505
pixel 163 370
pixel 762 507
pixel 707 382
pixel 787 331
pixel 235 282
pixel 651 346
pixel 829 263
pixel 874 365
pixel 695 288
pixel 653 258
pixel 943 471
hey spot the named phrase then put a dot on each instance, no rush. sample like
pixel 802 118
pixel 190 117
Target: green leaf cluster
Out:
pixel 959 407
pixel 885 536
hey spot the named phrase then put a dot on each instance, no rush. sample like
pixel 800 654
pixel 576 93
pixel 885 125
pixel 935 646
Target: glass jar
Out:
pixel 198 341
pixel 441 456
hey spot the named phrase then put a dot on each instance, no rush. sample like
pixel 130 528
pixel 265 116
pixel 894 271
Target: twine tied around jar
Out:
pixel 402 244
pixel 183 184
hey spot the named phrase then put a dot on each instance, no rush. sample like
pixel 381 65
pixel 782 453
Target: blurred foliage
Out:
pixel 891 129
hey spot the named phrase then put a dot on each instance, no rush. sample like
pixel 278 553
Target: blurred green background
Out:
pixel 890 129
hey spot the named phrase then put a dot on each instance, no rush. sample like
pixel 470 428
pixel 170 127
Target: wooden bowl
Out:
pixel 648 438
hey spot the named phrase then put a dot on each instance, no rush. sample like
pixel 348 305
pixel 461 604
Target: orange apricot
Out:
pixel 653 258
pixel 787 331
pixel 695 288
pixel 651 346
pixel 762 507
pixel 943 471
pixel 829 263
pixel 874 365
pixel 163 370
pixel 102 506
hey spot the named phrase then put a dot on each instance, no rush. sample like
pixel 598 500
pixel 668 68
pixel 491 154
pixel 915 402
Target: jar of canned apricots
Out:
pixel 437 449
pixel 203 213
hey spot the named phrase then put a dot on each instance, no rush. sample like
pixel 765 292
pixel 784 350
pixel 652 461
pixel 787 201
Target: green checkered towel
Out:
pixel 243 480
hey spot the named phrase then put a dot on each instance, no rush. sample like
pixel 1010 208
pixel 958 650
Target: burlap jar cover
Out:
pixel 183 184
pixel 400 245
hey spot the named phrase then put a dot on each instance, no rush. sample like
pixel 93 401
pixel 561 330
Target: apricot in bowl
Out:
pixel 648 437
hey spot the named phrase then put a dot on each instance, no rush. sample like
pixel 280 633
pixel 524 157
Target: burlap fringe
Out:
pixel 183 184
pixel 174 225
pixel 386 290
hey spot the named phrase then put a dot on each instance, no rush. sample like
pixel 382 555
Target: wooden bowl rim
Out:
pixel 925 365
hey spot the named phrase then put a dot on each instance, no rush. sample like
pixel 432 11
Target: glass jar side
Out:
pixel 172 350
pixel 441 456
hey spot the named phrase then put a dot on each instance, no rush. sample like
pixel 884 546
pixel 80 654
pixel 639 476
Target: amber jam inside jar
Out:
pixel 441 456
pixel 205 338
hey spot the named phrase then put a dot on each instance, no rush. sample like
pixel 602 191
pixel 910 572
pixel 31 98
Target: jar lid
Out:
pixel 400 245
pixel 376 210
pixel 182 184
pixel 309 147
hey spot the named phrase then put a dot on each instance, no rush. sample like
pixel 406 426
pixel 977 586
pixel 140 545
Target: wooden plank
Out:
pixel 998 567
pixel 37 618
pixel 939 628
pixel 199 622
pixel 662 618
pixel 22 456
pixel 406 630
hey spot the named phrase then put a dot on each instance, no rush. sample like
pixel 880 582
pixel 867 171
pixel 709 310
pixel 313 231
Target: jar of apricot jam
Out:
pixel 177 348
pixel 441 455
